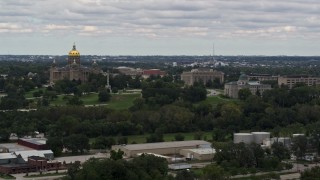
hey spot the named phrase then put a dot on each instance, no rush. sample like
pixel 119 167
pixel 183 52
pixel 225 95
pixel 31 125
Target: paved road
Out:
pixel 20 176
pixel 295 172
pixel 213 92
pixel 290 176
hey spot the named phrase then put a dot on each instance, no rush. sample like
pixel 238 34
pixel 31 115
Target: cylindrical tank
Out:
pixel 246 138
pixel 258 137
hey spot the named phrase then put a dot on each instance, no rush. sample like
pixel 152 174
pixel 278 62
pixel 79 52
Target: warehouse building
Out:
pixel 33 143
pixel 162 148
pixel 202 154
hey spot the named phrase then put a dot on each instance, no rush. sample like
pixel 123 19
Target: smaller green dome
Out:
pixel 243 77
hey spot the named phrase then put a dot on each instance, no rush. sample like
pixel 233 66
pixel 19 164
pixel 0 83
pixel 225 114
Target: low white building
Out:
pixel 202 154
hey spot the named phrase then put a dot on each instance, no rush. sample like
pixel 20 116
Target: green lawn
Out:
pixel 6 176
pixel 30 93
pixel 118 101
pixel 122 101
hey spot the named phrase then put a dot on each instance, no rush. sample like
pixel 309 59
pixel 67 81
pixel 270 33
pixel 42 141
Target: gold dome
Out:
pixel 74 51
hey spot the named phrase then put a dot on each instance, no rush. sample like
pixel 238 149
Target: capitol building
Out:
pixel 73 70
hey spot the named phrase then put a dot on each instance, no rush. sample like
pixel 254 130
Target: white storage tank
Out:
pixel 246 138
pixel 259 137
pixel 286 141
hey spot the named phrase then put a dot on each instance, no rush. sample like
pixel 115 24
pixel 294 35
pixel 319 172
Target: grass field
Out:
pixel 166 137
pixel 30 93
pixel 118 101
pixel 122 101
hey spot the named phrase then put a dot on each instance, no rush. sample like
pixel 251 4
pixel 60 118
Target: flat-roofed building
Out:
pixel 201 75
pixel 34 143
pixel 130 71
pixel 202 154
pixel 162 148
pixel 263 77
pixel 152 72
pixel 291 81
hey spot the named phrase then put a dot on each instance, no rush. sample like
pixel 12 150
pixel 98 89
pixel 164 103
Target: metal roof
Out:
pixel 162 145
pixel 203 150
pixel 38 141
pixel 26 154
pixel 7 156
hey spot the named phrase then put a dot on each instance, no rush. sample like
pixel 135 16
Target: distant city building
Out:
pixel 152 72
pixel 130 71
pixel 263 77
pixel 231 89
pixel 201 75
pixel 291 81
pixel 73 70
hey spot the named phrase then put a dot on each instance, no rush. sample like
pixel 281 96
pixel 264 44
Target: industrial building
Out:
pixel 34 143
pixel 286 141
pixel 202 75
pixel 27 161
pixel 202 154
pixel 179 166
pixel 162 148
pixel 254 137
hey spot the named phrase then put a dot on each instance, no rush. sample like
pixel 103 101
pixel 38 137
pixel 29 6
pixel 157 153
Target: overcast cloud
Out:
pixel 161 27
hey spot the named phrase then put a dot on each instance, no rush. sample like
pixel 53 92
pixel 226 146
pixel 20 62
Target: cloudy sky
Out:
pixel 160 27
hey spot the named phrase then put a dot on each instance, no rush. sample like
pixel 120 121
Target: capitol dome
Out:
pixel 74 51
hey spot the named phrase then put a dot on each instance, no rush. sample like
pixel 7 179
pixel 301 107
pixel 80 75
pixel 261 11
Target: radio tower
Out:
pixel 213 53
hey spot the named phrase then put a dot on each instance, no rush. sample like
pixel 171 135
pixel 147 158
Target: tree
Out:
pixel 179 137
pixel 77 143
pixel 55 144
pixel 156 167
pixel 104 96
pixel 103 142
pixel 74 169
pixel 299 146
pixel 315 135
pixel 280 151
pixel 310 174
pixel 122 140
pixel 195 93
pixel 156 137
pixel 185 175
pixel 116 155
pixel 75 100
pixel 214 172
pixel 197 135
pixel 243 94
